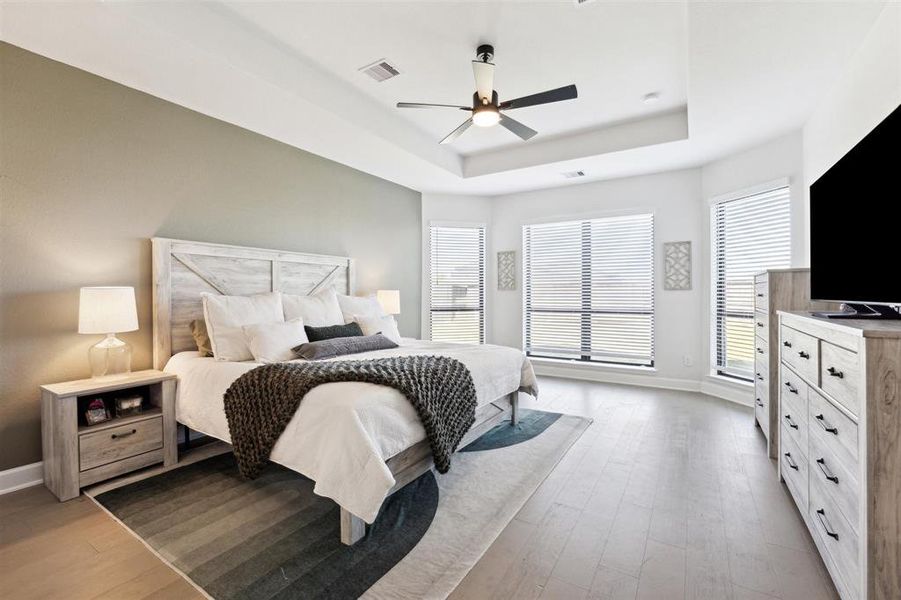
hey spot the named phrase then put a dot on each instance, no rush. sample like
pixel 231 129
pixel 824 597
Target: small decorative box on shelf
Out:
pixel 96 429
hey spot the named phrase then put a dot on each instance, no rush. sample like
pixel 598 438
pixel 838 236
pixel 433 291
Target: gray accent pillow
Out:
pixel 315 334
pixel 201 337
pixel 343 345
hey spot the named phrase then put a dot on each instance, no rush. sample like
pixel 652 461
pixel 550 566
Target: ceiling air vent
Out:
pixel 380 70
pixel 573 174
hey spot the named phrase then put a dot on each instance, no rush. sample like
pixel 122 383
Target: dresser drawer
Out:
pixel 761 346
pixel 839 375
pixel 835 534
pixel 761 323
pixel 794 467
pixel 793 408
pixel 801 352
pixel 761 369
pixel 116 443
pixel 838 483
pixel 761 292
pixel 834 429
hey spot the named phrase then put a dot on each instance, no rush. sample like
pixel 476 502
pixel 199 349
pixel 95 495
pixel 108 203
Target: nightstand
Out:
pixel 77 455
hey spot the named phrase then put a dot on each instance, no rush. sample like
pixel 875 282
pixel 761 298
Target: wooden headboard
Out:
pixel 183 270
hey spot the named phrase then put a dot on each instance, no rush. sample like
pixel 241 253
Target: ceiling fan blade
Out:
pixel 484 74
pixel 457 132
pixel 567 92
pixel 518 128
pixel 422 105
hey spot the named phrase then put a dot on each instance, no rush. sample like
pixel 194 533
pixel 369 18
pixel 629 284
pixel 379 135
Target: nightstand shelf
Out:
pixel 150 413
pixel 77 455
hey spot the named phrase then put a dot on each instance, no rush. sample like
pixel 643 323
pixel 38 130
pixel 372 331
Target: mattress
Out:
pixel 342 433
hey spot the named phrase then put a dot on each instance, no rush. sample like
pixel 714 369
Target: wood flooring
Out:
pixel 667 495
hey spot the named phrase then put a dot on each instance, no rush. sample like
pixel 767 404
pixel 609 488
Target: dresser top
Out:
pixel 860 327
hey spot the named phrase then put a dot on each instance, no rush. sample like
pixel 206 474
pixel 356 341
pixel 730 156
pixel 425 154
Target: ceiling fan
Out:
pixel 486 110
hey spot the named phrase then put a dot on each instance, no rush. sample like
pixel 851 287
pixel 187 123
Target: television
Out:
pixel 855 227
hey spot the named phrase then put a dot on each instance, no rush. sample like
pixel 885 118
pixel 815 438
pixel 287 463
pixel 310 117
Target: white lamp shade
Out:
pixel 107 310
pixel 390 301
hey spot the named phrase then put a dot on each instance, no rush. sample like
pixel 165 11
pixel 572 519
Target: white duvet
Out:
pixel 343 432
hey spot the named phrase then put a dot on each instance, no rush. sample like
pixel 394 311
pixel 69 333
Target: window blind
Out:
pixel 589 290
pixel 457 286
pixel 750 235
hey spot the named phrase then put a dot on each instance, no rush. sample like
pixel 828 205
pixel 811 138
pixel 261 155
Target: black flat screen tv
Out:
pixel 855 222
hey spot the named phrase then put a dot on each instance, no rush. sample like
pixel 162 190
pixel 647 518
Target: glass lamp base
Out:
pixel 110 358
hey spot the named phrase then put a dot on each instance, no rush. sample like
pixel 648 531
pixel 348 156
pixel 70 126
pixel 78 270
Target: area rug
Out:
pixel 272 538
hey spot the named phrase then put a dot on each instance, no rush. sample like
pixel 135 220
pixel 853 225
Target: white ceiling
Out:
pixel 615 53
pixel 730 75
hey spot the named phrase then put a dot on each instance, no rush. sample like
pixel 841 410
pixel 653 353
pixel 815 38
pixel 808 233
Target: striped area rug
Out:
pixel 273 538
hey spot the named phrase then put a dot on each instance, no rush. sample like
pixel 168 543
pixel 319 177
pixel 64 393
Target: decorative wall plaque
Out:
pixel 506 270
pixel 677 265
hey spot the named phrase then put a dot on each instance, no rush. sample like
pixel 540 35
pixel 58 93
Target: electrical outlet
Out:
pixel 687 361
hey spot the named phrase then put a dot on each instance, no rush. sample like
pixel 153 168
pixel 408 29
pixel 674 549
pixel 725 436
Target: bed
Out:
pixel 358 442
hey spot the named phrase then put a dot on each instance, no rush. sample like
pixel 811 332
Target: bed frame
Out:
pixel 183 270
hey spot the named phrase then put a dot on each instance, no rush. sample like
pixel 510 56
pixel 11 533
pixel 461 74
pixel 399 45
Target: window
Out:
pixel 457 286
pixel 589 290
pixel 750 234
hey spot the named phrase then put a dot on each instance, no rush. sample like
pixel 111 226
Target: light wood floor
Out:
pixel 667 495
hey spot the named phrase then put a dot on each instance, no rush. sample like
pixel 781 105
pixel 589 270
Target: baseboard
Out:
pixel 610 376
pixel 733 392
pixel 22 477
pixel 736 393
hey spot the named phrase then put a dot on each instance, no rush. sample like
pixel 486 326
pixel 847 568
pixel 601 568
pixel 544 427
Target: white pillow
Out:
pixel 272 342
pixel 386 325
pixel 353 306
pixel 317 310
pixel 225 315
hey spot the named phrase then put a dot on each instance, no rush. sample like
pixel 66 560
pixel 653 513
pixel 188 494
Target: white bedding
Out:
pixel 343 432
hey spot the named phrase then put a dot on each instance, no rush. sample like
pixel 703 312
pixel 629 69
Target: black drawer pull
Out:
pixel 791 423
pixel 760 295
pixel 760 351
pixel 759 377
pixel 821 515
pixel 787 344
pixel 832 371
pixel 791 388
pixel 117 436
pixel 803 355
pixel 759 403
pixel 821 463
pixel 826 426
pixel 791 463
pixel 759 324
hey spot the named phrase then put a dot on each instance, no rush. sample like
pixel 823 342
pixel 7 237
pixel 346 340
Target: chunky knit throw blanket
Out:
pixel 260 403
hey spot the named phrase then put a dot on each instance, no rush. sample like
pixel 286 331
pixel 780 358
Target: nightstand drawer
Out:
pixel 116 443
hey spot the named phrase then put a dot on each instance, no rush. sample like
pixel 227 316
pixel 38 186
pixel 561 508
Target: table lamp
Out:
pixel 389 300
pixel 108 310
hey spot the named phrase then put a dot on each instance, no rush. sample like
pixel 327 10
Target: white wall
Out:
pixel 867 91
pixel 451 208
pixel 675 200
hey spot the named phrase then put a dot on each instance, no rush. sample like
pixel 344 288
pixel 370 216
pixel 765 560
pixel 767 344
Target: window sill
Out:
pixel 579 365
pixel 737 383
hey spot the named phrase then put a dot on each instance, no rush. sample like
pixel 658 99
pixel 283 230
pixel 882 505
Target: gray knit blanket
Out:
pixel 260 403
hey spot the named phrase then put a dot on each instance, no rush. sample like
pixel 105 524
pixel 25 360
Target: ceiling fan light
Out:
pixel 486 116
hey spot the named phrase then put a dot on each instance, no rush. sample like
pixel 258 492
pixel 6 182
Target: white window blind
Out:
pixel 589 290
pixel 750 235
pixel 457 286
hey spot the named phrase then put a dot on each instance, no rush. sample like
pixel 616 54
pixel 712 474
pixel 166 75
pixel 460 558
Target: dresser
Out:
pixel 840 455
pixel 774 290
